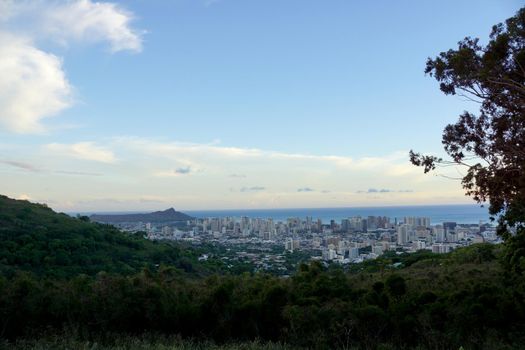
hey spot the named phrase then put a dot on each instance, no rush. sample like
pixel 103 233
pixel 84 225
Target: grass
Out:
pixel 120 342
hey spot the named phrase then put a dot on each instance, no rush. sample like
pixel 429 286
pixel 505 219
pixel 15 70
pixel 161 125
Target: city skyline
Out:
pixel 353 239
pixel 135 105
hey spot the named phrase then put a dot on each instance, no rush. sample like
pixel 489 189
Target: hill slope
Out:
pixel 460 299
pixel 35 238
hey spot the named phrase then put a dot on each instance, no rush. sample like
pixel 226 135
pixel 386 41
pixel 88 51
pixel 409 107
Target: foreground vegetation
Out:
pixel 152 341
pixel 461 299
pixel 69 283
pixel 108 290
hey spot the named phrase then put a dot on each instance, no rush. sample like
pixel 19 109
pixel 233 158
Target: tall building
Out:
pixel 358 224
pixel 215 224
pixel 353 253
pixel 402 234
pixel 309 223
pixel 292 244
pixel 371 223
pixel 449 226
pixel 245 223
pixel 288 245
pixel 417 221
pixel 345 225
pixel 439 234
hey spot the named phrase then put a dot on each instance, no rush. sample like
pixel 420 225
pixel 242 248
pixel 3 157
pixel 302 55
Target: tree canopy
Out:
pixel 34 238
pixel 490 144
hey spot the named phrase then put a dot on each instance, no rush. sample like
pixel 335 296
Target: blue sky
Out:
pixel 227 103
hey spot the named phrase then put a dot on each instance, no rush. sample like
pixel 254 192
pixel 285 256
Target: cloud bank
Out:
pixel 197 176
pixel 34 85
pixel 92 22
pixel 82 150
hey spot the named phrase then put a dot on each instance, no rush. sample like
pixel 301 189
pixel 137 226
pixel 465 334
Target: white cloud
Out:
pixel 88 21
pixel 83 150
pixel 70 21
pixel 33 85
pixel 203 155
pixel 147 167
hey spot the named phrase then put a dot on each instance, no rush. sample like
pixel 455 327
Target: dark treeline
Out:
pixel 60 273
pixel 460 300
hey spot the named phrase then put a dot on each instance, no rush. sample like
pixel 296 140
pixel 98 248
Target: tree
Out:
pixel 491 145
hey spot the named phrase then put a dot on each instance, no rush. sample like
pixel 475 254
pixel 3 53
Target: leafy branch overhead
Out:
pixel 491 144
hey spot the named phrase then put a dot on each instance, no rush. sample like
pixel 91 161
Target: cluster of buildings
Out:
pixel 351 240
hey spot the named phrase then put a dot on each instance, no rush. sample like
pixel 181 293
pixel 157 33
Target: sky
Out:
pixel 222 104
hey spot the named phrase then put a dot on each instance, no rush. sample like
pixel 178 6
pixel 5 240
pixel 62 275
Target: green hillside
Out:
pixel 34 238
pixel 52 281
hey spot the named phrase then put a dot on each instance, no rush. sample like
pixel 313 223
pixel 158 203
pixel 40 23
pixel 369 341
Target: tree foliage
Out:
pixel 317 308
pixel 491 144
pixel 34 238
pixel 58 272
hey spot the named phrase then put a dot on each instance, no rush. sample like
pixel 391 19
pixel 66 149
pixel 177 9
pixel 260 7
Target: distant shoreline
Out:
pixel 460 213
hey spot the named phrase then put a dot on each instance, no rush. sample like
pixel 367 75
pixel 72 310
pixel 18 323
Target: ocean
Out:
pixel 459 213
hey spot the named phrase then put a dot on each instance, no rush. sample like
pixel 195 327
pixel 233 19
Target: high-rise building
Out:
pixel 288 245
pixel 439 233
pixel 345 225
pixel 354 253
pixel 402 234
pixel 449 226
pixel 215 224
pixel 417 221
pixel 245 223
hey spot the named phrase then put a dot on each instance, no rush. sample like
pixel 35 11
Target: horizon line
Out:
pixel 285 208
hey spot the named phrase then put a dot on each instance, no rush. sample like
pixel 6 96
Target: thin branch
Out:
pixel 475 92
pixel 519 65
pixel 460 174
pixel 511 83
pixel 449 177
pixel 468 98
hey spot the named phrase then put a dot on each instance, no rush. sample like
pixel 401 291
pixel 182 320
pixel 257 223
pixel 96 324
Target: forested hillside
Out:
pixel 34 238
pixel 115 285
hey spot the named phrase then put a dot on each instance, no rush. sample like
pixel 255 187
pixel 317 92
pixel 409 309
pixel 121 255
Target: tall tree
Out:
pixel 491 144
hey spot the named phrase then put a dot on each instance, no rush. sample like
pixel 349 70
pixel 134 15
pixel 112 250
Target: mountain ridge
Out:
pixel 168 215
